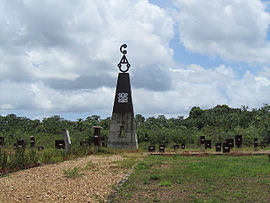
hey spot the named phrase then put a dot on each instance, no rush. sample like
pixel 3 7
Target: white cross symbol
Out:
pixel 122 97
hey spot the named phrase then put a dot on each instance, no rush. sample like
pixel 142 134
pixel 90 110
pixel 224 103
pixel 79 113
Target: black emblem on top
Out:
pixel 123 59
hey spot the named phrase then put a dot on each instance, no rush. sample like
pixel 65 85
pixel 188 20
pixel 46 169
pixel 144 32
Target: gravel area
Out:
pixel 48 183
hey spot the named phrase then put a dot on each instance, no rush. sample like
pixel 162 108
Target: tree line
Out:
pixel 217 123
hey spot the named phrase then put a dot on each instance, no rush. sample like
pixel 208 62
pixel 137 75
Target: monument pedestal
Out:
pixel 123 128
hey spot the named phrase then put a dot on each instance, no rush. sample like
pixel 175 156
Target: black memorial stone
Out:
pixel 263 145
pixel 226 148
pixel 230 142
pixel 96 140
pixel 103 142
pixel 151 148
pixel 161 148
pixel 2 141
pixel 208 144
pixel 146 138
pixel 60 144
pixel 202 140
pixel 238 140
pixel 32 141
pixel 255 142
pixel 83 143
pixel 218 147
pixel 183 146
pixel 175 146
pixel 40 148
pixel 97 130
pixel 21 144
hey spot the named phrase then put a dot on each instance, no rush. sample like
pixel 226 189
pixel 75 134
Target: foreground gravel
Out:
pixel 48 183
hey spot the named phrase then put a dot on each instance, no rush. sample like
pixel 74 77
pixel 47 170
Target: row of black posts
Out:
pixel 59 144
pixel 98 140
pixel 21 144
pixel 207 144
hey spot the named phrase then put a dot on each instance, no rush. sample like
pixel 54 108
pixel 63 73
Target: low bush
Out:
pixel 154 177
pixel 72 173
pixel 3 159
pixel 165 183
pixel 48 154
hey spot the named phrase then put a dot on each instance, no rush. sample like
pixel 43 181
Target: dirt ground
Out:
pixel 48 183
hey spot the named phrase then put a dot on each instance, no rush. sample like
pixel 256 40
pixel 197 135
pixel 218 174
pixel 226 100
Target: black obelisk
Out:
pixel 122 127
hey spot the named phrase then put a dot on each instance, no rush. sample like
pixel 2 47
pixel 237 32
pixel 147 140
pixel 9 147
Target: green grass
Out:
pixel 165 183
pixel 198 179
pixel 154 177
pixel 72 173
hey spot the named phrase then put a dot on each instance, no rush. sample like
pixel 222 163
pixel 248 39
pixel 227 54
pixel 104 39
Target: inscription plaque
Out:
pixel 21 144
pixel 208 144
pixel 40 148
pixel 32 141
pixel 60 144
pixel 238 140
pixel 183 146
pixel 175 146
pixel 151 148
pixel 146 138
pixel 230 142
pixel 161 148
pixel 226 148
pixel 202 140
pixel 255 142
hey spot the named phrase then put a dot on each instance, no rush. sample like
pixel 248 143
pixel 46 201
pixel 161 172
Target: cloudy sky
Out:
pixel 60 57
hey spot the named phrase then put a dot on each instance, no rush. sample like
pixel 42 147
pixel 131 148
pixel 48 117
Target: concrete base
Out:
pixel 123 131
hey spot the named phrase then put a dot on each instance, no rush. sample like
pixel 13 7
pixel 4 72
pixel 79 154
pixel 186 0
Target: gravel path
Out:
pixel 49 184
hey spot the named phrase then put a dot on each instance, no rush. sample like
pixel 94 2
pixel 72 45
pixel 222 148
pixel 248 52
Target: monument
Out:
pixel 122 128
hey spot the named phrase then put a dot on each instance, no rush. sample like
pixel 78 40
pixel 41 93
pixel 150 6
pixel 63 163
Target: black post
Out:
pixel 238 140
pixel 32 141
pixel 255 143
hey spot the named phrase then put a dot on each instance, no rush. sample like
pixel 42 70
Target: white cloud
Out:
pixel 37 96
pixel 234 30
pixel 62 56
pixel 191 86
pixel 206 88
pixel 83 38
pixel 250 90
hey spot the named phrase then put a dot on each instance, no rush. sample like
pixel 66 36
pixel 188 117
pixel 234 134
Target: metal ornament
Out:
pixel 123 59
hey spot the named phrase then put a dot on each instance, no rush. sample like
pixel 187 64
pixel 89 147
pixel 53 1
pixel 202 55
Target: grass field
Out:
pixel 198 179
